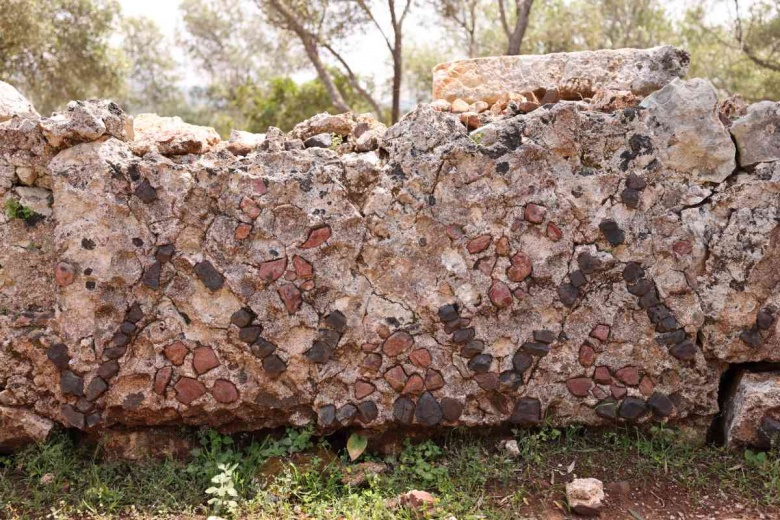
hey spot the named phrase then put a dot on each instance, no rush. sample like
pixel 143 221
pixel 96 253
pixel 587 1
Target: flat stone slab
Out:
pixel 576 75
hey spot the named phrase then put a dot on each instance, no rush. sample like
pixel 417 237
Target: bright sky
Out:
pixel 369 56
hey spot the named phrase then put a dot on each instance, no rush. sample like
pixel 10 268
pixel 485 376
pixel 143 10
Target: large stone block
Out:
pixel 757 133
pixel 12 103
pixel 752 414
pixel 572 264
pixel 575 75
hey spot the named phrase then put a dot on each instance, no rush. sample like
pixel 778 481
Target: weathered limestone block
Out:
pixel 19 427
pixel 171 136
pixel 12 103
pixel 24 154
pixel 575 75
pixel 86 121
pixel 687 132
pixel 752 416
pixel 757 134
pixel 585 496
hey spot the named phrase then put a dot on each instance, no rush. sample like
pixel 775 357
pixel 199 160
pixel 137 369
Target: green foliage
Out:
pixel 13 209
pixel 224 491
pixel 418 463
pixel 356 445
pixel 152 73
pixel 469 477
pixel 57 50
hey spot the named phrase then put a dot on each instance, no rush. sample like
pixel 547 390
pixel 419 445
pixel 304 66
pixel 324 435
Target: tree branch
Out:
pixel 353 80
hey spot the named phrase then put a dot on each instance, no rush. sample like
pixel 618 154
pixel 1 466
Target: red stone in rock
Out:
pixel 454 232
pixel 414 385
pixel 519 294
pixel 363 389
pixel 646 386
pixel 479 244
pixel 396 378
pixel 502 246
pixel 272 270
pixel 579 386
pixel 587 355
pixel 224 391
pixel 291 297
pixel 516 224
pixel 534 213
pixel 602 375
pixel 618 391
pixel 188 389
pixel 290 276
pixel 421 357
pixel 242 231
pixel 598 392
pixel 302 267
pixel 161 379
pixel 433 380
pixel 487 381
pixel 64 274
pixel 259 187
pixel 485 265
pixel 372 361
pixel 500 295
pixel 600 332
pixel 308 285
pixel 397 343
pixel 383 331
pixel 628 375
pixel 554 233
pixel 204 359
pixel 368 347
pixel 317 237
pixel 521 267
pixel 250 208
pixel 176 352
pixel 682 247
pixel 471 120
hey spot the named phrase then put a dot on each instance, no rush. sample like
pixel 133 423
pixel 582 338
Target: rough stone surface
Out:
pixel 12 103
pixel 171 136
pixel 685 131
pixel 19 427
pixel 574 74
pixel 757 134
pixel 755 398
pixel 405 285
pixel 585 496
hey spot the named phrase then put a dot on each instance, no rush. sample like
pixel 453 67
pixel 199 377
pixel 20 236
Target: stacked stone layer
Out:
pixel 569 265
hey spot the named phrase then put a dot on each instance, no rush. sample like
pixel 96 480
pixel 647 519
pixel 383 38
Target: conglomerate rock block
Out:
pixel 572 264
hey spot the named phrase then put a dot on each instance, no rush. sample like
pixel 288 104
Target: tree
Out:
pixel 717 54
pixel 234 50
pixel 315 24
pixel 58 50
pixel 759 36
pixel 463 16
pixel 152 76
pixel 397 19
pixel 515 31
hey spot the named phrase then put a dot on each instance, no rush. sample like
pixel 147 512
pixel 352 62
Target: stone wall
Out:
pixel 515 257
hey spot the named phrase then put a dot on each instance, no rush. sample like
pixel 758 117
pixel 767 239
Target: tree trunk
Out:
pixel 395 114
pixel 523 12
pixel 335 96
